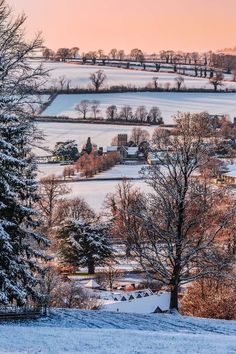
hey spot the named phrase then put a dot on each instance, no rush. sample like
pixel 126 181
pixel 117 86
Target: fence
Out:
pixel 14 312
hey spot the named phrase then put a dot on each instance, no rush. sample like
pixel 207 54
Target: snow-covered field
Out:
pixel 101 134
pixel 118 171
pixel 84 332
pixel 168 102
pixel 95 192
pixel 79 76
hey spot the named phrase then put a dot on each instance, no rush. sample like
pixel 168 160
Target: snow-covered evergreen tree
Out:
pixel 84 244
pixel 19 238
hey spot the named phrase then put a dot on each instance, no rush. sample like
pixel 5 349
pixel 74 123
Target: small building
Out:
pixel 131 153
pixel 229 178
pixel 137 302
pixel 122 140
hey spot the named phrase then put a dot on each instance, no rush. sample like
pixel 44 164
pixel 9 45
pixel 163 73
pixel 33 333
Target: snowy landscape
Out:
pixel 101 134
pixel 117 178
pixel 79 76
pixel 71 331
pixel 169 103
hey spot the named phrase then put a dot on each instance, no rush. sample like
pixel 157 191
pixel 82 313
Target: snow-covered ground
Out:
pixel 168 102
pixel 79 76
pixel 49 169
pixel 118 171
pixel 101 134
pixel 95 192
pixel 84 332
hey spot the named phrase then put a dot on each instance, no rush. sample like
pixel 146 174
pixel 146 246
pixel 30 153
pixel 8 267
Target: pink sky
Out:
pixel 150 25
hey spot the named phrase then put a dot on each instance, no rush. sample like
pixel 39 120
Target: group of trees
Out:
pixel 93 163
pixel 136 54
pixel 76 233
pixel 85 107
pixel 182 231
pixel 141 114
pixel 61 54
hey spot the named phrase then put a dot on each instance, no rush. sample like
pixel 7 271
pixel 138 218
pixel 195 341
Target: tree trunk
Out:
pixel 91 267
pixel 174 303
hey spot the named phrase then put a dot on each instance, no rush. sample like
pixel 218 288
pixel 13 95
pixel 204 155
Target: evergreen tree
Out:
pixel 88 147
pixel 66 150
pixel 84 244
pixel 19 270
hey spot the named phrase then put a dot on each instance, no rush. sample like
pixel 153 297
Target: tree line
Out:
pixel 126 113
pixel 136 54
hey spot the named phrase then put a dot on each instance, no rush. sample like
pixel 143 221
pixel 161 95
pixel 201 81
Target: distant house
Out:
pixel 131 153
pixel 142 302
pixel 229 177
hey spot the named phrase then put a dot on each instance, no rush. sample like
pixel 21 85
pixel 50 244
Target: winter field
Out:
pixel 168 102
pixel 118 171
pixel 94 332
pixel 101 134
pixel 79 76
pixel 94 192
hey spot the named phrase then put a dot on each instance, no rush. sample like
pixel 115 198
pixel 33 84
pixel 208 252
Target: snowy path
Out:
pixel 85 332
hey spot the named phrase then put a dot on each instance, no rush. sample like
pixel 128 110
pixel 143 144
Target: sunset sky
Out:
pixel 150 25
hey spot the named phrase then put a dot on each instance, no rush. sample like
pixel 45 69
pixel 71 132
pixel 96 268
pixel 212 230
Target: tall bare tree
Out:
pixel 138 135
pixel 98 79
pixel 83 107
pixel 179 82
pixel 51 191
pixel 95 108
pixel 180 224
pixel 216 80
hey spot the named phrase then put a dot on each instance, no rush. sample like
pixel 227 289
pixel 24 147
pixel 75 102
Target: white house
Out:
pixel 130 303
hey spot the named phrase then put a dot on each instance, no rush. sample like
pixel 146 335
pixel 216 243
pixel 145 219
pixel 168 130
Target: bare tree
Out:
pixel 141 114
pixel 63 53
pixel 75 208
pixel 121 54
pixel 64 83
pixel 181 223
pixel 111 112
pixel 95 108
pixel 160 134
pixel 118 205
pixel 154 116
pixel 83 107
pixel 179 82
pixel 126 113
pixel 139 135
pixel 98 79
pixel 113 53
pixel 51 191
pixel 48 53
pixel 70 294
pixel 216 80
pixel 137 54
pixel 74 52
pixel 155 82
pixel 101 53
